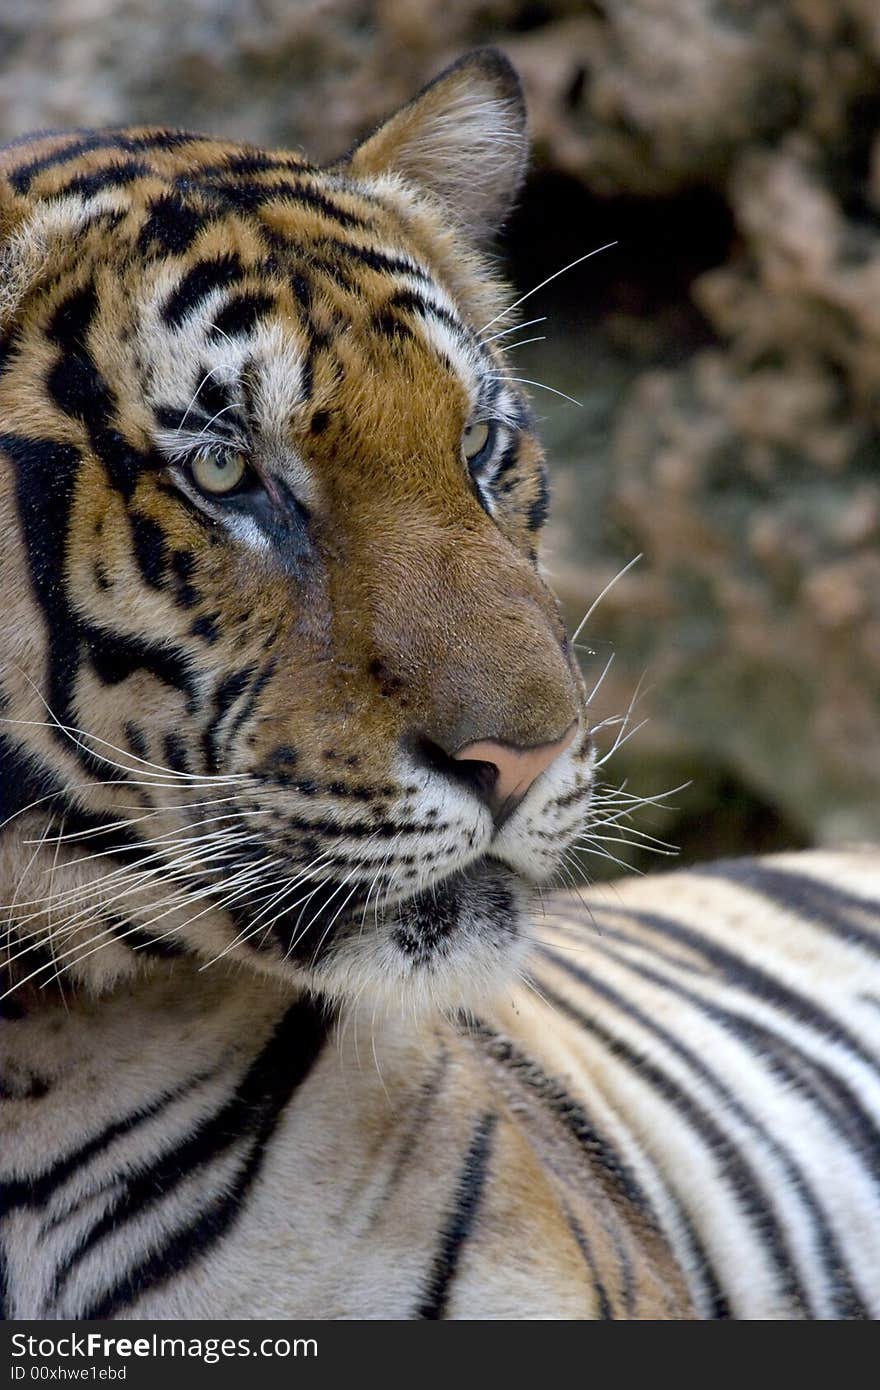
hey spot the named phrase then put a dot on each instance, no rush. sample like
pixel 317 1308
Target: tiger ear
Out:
pixel 462 139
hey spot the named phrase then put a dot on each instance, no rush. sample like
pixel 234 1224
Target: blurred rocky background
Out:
pixel 726 353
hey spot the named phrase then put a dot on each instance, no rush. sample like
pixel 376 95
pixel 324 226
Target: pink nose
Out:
pixel 516 768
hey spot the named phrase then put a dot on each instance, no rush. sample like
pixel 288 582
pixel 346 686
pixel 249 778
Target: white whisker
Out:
pixel 515 328
pixel 596 601
pixel 509 347
pixel 207 377
pixel 555 276
pixel 526 381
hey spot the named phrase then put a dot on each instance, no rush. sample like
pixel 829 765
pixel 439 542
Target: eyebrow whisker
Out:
pixel 523 297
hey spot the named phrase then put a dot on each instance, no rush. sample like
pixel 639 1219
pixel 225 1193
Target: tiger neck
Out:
pixel 156 1028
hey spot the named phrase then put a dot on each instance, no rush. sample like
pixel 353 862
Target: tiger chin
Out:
pixel 282 685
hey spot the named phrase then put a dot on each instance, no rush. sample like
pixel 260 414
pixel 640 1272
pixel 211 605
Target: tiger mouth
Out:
pixel 482 896
pixel 479 901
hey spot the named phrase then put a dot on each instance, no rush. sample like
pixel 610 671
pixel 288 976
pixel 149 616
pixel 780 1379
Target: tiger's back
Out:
pixel 732 1012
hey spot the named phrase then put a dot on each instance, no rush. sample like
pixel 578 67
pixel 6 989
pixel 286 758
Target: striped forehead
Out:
pixel 209 383
pixel 206 332
pixel 204 321
pixel 417 301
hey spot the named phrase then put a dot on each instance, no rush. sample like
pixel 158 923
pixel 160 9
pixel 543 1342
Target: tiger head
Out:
pixel 280 680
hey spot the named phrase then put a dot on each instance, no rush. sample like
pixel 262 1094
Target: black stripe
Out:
pixel 172 417
pixel 34 1088
pixel 408 302
pixel 24 781
pixel 771 1049
pixel 111 176
pixel 749 978
pixel 568 1111
pixel 46 480
pixel 598 1150
pixel 249 196
pixel 8 348
pixel 148 541
pixel 136 740
pixel 183 566
pixel 247 705
pixel 250 1118
pixel 302 288
pixel 22 178
pixel 6 1309
pixel 828 1091
pixel 206 627
pixel 523 415
pixel 78 388
pixel 507 462
pixel 820 904
pixel 75 383
pixel 286 249
pixel 307 371
pixel 115 657
pixel 227 692
pixel 308 926
pixel 460 1222
pixel 177 752
pixel 378 260
pixel 389 326
pixel 198 282
pixel 33 959
pixel 626 1270
pixel 37 1190
pixel 117 843
pixel 319 202
pixel 417 1124
pixel 738 1173
pixel 536 513
pixel 172 225
pixel 606 936
pixel 250 160
pixel 241 313
pixel 606 1312
pixel 212 396
pixel 355 830
pixel 256 162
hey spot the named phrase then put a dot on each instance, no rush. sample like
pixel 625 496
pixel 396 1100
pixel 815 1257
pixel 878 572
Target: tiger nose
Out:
pixel 515 769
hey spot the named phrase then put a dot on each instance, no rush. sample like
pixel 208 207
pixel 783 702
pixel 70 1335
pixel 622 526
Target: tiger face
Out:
pixel 281 681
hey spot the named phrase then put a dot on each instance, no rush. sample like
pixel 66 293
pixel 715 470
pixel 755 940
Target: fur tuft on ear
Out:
pixel 462 139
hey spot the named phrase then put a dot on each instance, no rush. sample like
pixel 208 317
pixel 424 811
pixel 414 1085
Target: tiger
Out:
pixel 293 737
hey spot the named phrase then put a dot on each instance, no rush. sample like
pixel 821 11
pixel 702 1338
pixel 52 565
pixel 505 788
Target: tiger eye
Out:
pixel 474 439
pixel 217 473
